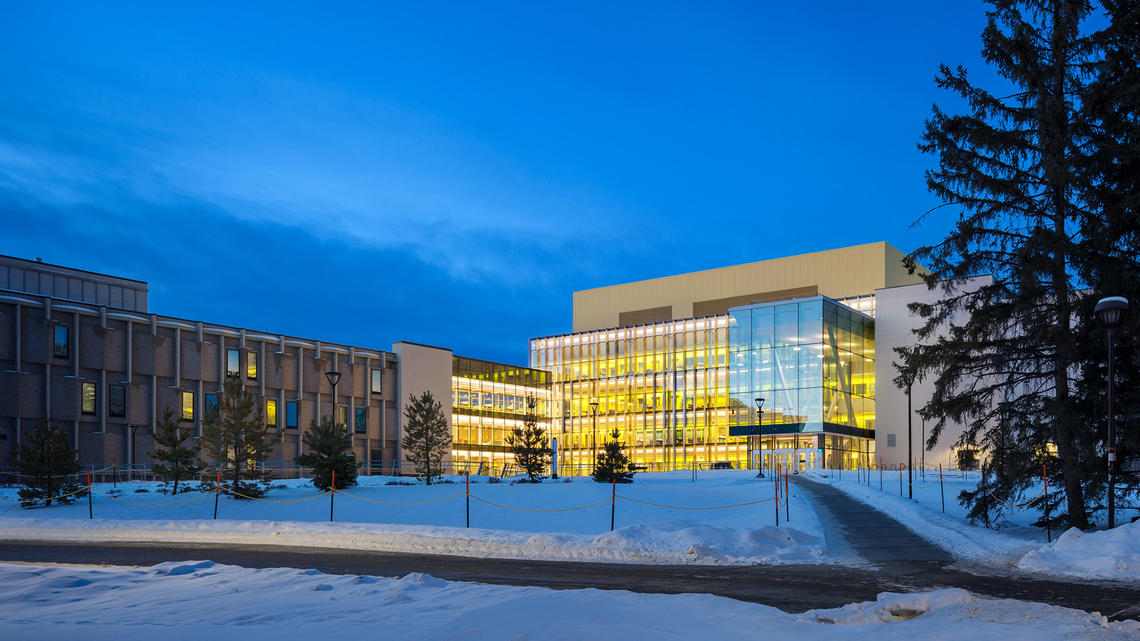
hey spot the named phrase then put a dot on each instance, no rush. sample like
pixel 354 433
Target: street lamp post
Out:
pixel 908 374
pixel 760 436
pixel 334 378
pixel 594 440
pixel 1111 312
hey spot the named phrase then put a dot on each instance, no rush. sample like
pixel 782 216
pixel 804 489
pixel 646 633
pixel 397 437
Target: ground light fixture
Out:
pixel 594 441
pixel 908 376
pixel 334 378
pixel 760 436
pixel 1111 312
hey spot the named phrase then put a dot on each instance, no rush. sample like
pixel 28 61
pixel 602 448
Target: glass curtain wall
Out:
pixel 664 387
pixel 812 361
pixel 488 401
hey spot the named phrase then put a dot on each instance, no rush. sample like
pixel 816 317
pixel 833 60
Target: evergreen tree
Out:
pixel 328 447
pixel 612 463
pixel 178 460
pixel 49 468
pixel 427 437
pixel 529 443
pixel 236 437
pixel 1110 177
pixel 1000 350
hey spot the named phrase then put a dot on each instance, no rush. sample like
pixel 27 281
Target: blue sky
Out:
pixel 449 173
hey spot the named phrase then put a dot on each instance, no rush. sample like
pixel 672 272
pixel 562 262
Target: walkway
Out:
pixel 878 538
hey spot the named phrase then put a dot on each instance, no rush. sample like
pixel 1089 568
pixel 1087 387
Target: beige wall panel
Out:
pixel 422 369
pixel 837 273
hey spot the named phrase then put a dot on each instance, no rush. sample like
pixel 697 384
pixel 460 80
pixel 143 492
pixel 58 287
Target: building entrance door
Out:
pixel 790 459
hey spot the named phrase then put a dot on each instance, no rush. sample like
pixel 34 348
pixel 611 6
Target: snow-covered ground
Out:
pixel 367 519
pixel 1113 554
pixel 195 600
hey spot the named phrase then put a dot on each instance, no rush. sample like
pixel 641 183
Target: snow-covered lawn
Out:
pixel 366 519
pixel 196 600
pixel 1111 554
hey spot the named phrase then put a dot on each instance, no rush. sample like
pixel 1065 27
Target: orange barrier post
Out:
pixel 217 493
pixel 332 495
pixel 942 488
pixel 900 479
pixel 467 492
pixel 1048 528
pixel 114 473
pixel 880 474
pixel 90 510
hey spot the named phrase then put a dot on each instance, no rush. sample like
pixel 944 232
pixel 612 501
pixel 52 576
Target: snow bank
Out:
pixel 670 543
pixel 193 600
pixel 1107 554
pixel 430 520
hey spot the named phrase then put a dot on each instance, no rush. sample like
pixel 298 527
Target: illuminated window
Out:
pixel 377 381
pixel 291 414
pixel 341 415
pixel 187 406
pixel 61 341
pixel 361 420
pixel 117 400
pixel 251 365
pixel 88 398
pixel 271 413
pixel 233 362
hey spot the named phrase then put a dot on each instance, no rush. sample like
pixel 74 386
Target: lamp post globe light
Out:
pixel 333 378
pixel 760 436
pixel 1111 312
pixel 908 376
pixel 594 440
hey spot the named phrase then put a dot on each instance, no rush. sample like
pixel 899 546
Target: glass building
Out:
pixel 488 401
pixel 682 393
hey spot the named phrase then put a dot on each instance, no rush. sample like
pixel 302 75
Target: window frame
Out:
pixel 236 370
pixel 377 387
pixel 295 406
pixel 360 420
pixel 183 414
pixel 111 390
pixel 271 412
pixel 55 342
pixel 251 365
pixel 83 398
pixel 341 409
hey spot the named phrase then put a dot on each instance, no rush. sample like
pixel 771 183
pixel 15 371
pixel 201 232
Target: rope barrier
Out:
pixel 54 498
pixel 258 498
pixel 528 509
pixel 714 507
pixel 361 498
pixel 200 496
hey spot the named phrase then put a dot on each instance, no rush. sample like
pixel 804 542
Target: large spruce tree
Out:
pixel 236 436
pixel 177 460
pixel 612 464
pixel 1110 177
pixel 427 436
pixel 1001 351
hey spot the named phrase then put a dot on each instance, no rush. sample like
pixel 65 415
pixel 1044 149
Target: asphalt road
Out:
pixel 792 588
